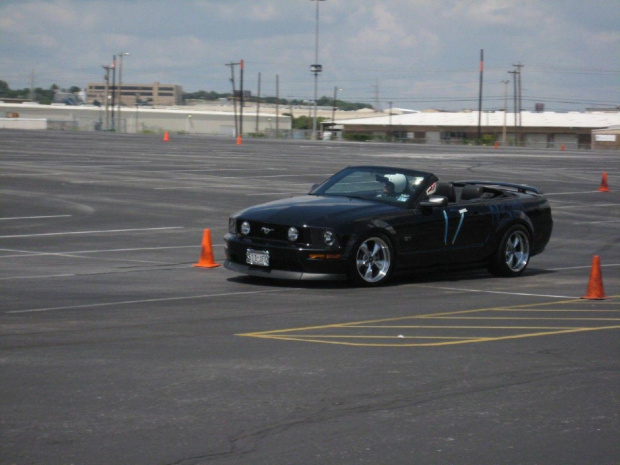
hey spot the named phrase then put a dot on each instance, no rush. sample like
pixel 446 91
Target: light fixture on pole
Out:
pixel 120 85
pixel 316 68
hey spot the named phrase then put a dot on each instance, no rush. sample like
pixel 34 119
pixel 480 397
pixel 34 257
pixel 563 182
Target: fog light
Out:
pixel 245 228
pixel 293 234
pixel 329 238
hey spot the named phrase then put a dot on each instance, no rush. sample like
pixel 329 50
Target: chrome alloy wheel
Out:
pixel 517 251
pixel 373 260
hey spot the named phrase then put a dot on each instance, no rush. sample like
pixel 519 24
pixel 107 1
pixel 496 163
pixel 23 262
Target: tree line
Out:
pixel 45 96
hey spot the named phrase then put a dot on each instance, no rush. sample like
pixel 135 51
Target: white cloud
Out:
pixel 419 52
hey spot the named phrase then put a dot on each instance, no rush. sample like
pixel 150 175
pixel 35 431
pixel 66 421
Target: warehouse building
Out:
pixel 183 119
pixel 533 129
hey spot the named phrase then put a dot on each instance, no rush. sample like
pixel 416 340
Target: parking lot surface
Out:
pixel 116 349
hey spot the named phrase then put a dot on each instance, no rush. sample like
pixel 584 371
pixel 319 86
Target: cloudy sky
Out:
pixel 414 53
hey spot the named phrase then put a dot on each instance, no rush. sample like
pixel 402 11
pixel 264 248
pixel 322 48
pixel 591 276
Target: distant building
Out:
pixel 537 129
pixel 66 98
pixel 131 94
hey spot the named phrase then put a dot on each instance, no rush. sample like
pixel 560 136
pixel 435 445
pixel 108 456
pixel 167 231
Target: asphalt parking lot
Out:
pixel 115 349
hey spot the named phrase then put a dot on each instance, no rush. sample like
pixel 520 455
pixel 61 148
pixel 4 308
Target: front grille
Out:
pixel 274 232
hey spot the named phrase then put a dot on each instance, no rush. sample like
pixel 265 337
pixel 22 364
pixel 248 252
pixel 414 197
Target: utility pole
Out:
pixel 505 82
pixel 336 89
pixel 518 100
pixel 377 95
pixel 277 106
pixel 391 131
pixel 113 89
pixel 258 103
pixel 480 97
pixel 234 96
pixel 514 95
pixel 240 137
pixel 31 96
pixel 107 98
pixel 316 68
pixel 120 86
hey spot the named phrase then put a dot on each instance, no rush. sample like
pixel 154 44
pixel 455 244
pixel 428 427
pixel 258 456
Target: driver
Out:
pixel 389 189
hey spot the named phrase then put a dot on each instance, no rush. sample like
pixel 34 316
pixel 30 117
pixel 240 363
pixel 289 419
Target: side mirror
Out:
pixel 434 201
pixel 313 188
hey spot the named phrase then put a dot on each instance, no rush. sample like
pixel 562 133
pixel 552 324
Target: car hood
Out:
pixel 314 210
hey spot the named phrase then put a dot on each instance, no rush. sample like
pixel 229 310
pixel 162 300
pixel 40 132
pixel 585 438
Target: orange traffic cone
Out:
pixel 206 253
pixel 239 140
pixel 166 136
pixel 562 147
pixel 604 187
pixel 496 145
pixel 595 286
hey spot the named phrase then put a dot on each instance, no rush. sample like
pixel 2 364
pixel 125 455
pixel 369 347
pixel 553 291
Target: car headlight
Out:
pixel 232 225
pixel 245 228
pixel 329 238
pixel 293 234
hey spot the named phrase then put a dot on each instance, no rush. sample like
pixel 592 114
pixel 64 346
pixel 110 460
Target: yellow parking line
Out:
pixel 515 318
pixel 307 334
pixel 458 327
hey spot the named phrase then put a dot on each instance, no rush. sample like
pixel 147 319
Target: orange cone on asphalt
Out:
pixel 206 253
pixel 604 187
pixel 239 140
pixel 166 136
pixel 595 286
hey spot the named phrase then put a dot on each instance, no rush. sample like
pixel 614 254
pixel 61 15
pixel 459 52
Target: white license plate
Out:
pixel 257 257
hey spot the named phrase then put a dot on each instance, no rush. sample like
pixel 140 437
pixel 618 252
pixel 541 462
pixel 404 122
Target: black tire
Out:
pixel 372 261
pixel 513 254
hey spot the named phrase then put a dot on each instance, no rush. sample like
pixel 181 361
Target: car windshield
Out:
pixel 378 184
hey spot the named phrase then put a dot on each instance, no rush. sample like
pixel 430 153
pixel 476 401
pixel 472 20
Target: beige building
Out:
pixel 538 129
pixel 150 94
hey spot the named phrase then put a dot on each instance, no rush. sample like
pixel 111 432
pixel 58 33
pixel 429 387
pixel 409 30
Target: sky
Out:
pixel 414 54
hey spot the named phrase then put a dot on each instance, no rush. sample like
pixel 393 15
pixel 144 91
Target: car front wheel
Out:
pixel 372 261
pixel 513 253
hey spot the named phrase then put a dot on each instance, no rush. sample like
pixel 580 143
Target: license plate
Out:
pixel 257 257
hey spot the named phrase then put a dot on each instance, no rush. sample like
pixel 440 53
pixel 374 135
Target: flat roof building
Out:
pixel 155 94
pixel 536 129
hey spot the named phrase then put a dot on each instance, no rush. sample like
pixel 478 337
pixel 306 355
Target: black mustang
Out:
pixel 366 222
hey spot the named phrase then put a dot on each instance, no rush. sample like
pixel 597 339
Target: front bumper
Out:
pixel 287 261
pixel 281 274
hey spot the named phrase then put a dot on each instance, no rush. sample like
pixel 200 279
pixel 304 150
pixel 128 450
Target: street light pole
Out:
pixel 316 68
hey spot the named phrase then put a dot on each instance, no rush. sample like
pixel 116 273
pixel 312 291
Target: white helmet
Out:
pixel 399 180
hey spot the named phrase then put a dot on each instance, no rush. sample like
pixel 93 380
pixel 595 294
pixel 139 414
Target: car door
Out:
pixel 452 234
pixel 467 240
pixel 425 235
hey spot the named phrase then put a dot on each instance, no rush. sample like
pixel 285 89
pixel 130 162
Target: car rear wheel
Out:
pixel 513 253
pixel 372 261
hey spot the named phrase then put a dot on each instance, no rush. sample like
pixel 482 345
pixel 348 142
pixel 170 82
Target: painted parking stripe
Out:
pixel 109 231
pixel 447 328
pixel 142 301
pixel 34 217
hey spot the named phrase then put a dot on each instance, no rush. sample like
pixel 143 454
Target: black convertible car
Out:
pixel 366 222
